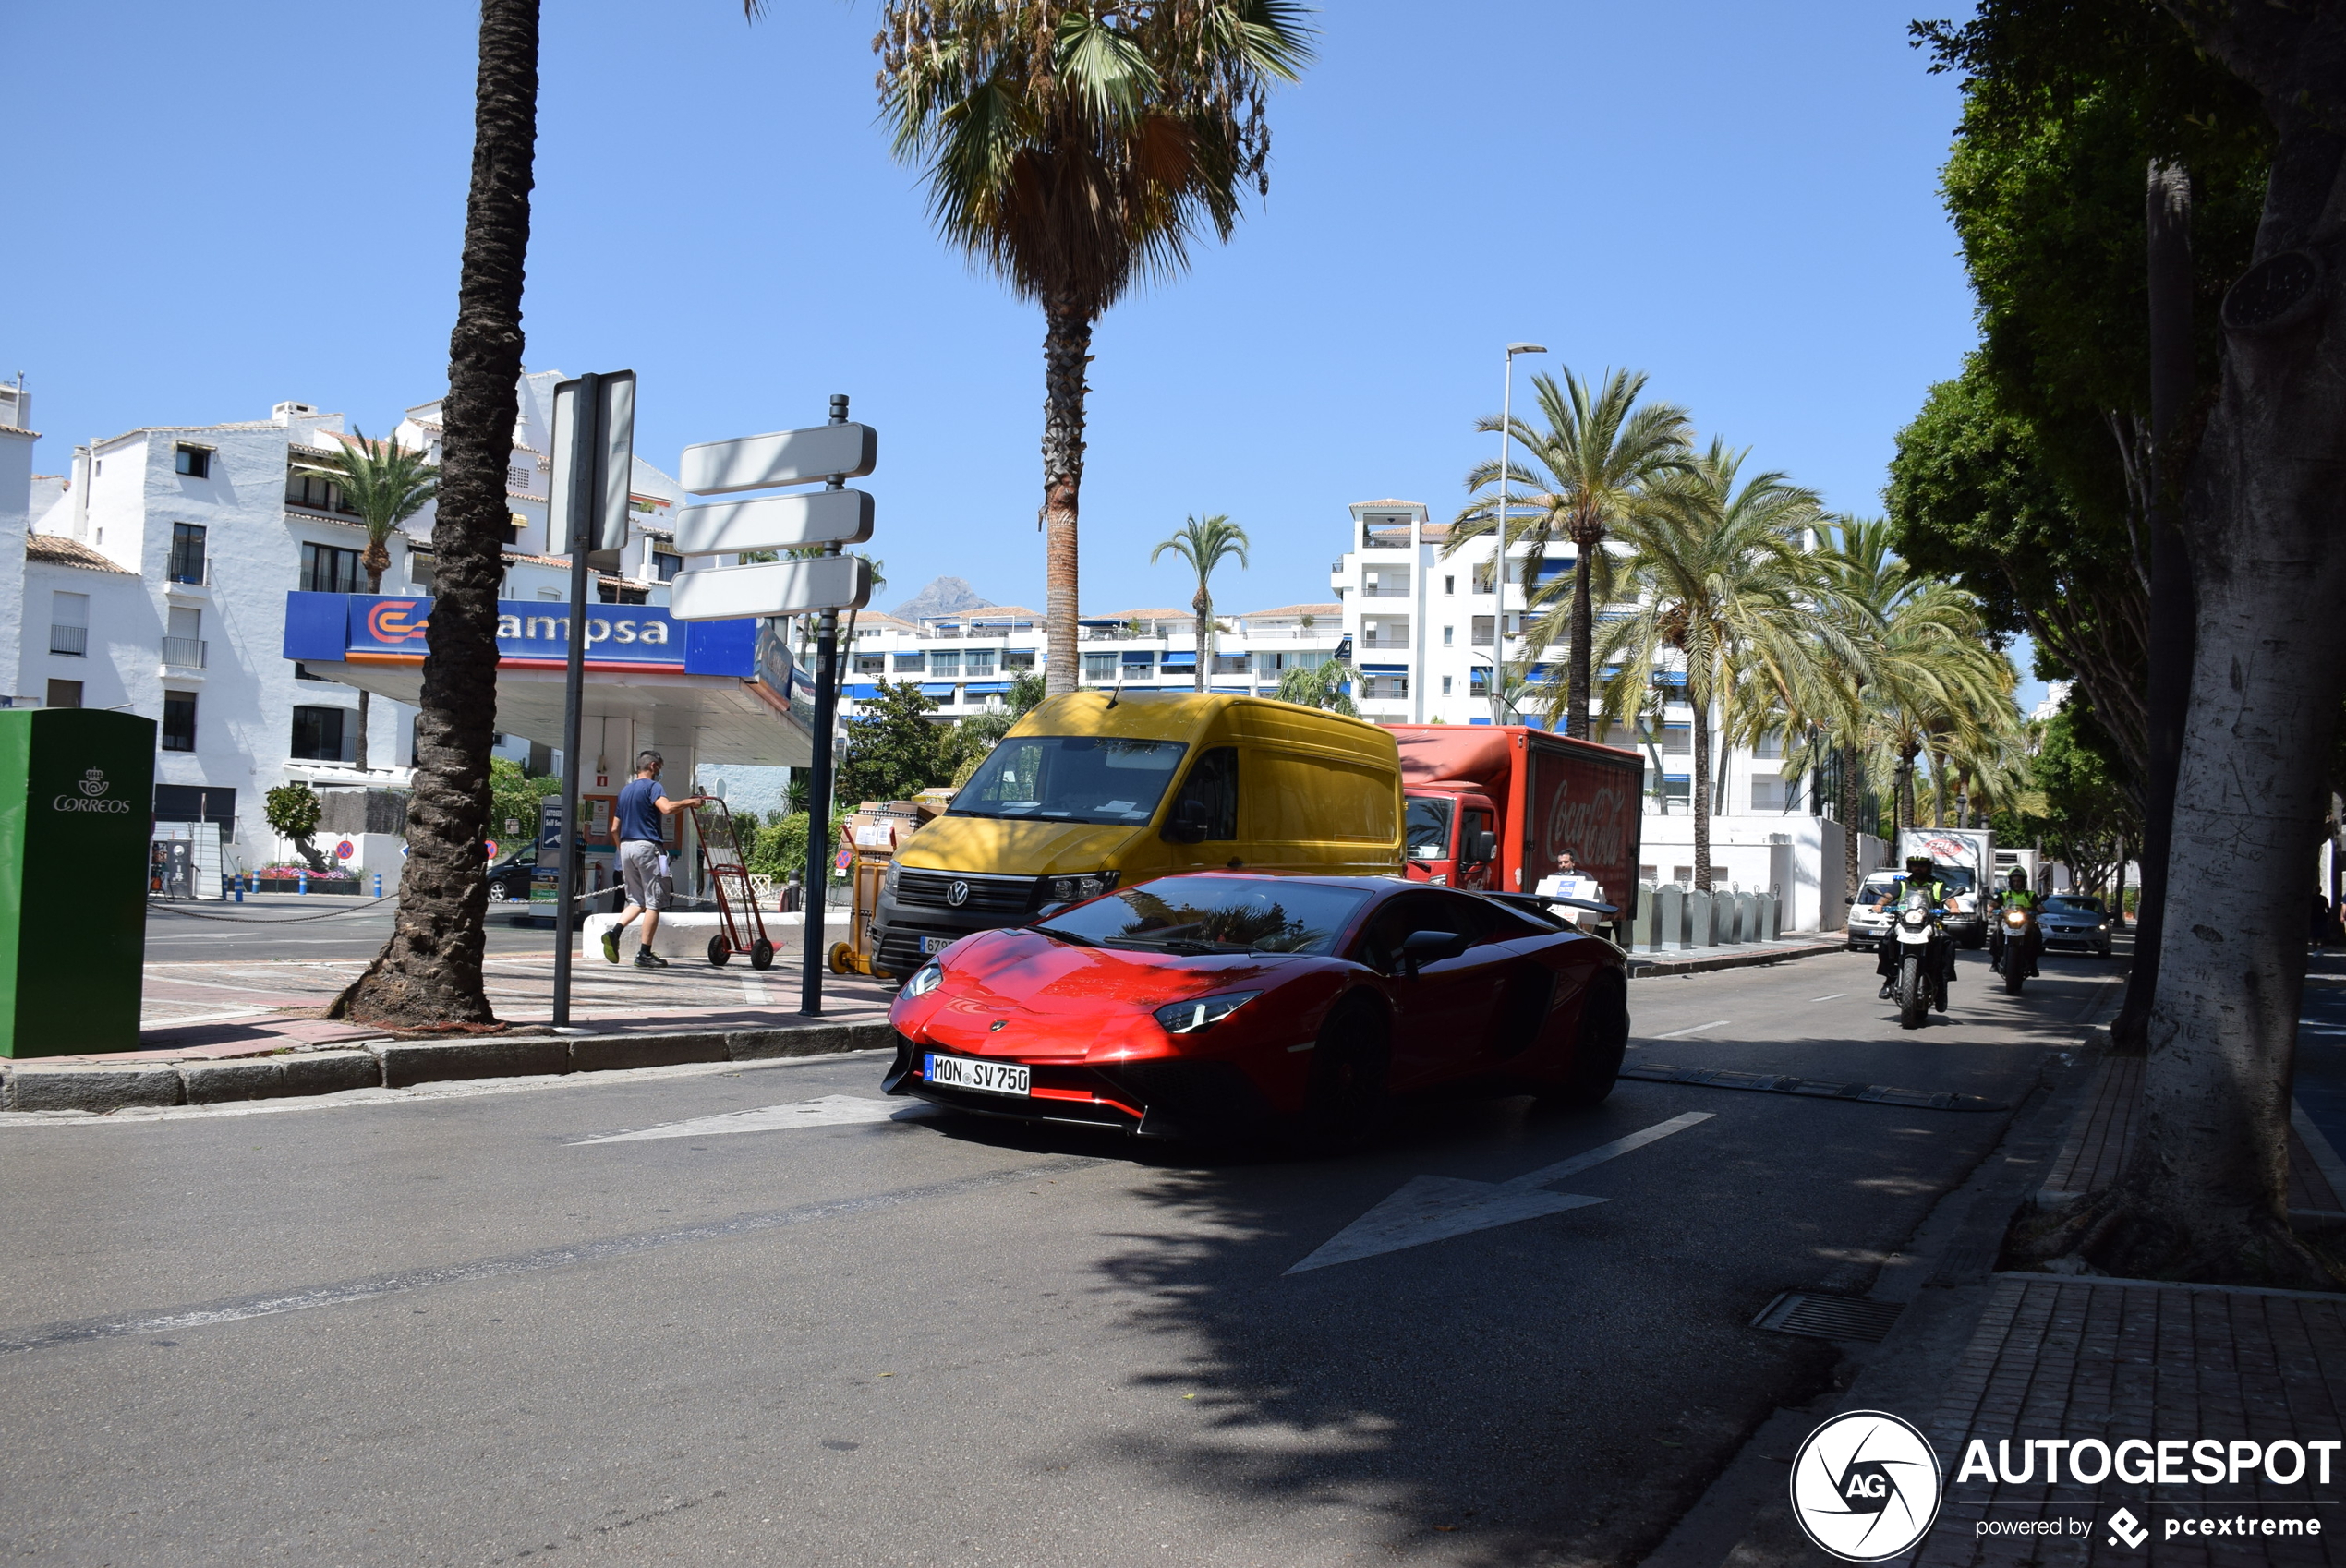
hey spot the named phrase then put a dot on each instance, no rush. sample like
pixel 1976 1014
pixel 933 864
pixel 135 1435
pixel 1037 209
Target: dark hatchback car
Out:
pixel 2073 920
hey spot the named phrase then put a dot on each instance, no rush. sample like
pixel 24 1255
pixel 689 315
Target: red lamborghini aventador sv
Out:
pixel 1224 1003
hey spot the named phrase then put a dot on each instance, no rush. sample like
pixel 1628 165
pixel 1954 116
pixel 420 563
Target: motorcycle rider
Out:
pixel 2015 896
pixel 1922 875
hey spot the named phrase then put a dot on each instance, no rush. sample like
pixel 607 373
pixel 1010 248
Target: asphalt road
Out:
pixel 457 1329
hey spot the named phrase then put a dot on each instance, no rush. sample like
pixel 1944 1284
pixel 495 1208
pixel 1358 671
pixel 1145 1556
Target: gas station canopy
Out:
pixel 716 690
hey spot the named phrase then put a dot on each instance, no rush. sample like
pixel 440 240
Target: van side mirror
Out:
pixel 1429 946
pixel 1189 824
pixel 1486 848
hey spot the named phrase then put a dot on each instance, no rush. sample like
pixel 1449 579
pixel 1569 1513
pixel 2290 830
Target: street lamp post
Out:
pixel 1506 432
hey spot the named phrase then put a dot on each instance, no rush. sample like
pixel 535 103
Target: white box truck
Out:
pixel 1966 861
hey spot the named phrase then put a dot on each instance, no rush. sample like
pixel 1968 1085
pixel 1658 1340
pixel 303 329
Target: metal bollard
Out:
pixel 1669 916
pixel 1702 929
pixel 379 884
pixel 305 879
pixel 236 885
pixel 1644 936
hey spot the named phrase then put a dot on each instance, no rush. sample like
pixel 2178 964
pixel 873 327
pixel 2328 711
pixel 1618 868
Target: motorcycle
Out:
pixel 2014 940
pixel 1923 956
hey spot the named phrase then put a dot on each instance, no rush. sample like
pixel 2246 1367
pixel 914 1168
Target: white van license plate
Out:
pixel 963 1072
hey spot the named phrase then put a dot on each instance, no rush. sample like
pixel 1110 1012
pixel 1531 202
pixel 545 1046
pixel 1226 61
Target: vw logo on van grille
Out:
pixel 958 894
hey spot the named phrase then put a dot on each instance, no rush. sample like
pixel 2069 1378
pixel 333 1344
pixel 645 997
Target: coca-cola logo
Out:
pixel 1592 828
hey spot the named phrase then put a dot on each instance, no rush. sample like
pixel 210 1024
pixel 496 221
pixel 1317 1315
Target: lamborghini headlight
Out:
pixel 1197 1016
pixel 925 979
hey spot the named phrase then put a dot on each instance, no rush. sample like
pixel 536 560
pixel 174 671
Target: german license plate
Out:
pixel 965 1072
pixel 936 944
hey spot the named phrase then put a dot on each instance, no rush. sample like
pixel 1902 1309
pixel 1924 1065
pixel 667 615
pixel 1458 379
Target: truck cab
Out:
pixel 1453 836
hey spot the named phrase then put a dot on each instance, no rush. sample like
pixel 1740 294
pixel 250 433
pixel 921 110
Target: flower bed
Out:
pixel 274 880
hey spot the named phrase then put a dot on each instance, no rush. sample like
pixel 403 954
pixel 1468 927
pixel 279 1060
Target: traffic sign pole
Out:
pixel 594 450
pixel 818 797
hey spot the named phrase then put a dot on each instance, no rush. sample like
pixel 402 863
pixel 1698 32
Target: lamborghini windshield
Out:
pixel 1216 914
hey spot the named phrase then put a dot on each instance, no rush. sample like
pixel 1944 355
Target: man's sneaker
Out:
pixel 1885 992
pixel 611 943
pixel 646 959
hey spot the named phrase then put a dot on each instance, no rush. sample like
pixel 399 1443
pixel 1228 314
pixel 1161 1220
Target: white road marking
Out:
pixel 755 992
pixel 1834 997
pixel 832 1110
pixel 1690 1029
pixel 1436 1207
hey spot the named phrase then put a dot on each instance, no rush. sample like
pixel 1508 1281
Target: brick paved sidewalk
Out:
pixel 2079 1358
pixel 225 1009
pixel 2098 1141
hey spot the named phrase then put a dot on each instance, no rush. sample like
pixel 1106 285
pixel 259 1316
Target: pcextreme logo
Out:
pixel 93 786
pixel 388 622
pixel 1865 1486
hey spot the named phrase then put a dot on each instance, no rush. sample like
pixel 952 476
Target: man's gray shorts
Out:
pixel 639 874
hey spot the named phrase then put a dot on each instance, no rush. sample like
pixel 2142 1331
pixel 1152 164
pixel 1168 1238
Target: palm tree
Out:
pixel 1077 150
pixel 1321 686
pixel 385 484
pixel 428 973
pixel 1205 546
pixel 1593 468
pixel 1725 592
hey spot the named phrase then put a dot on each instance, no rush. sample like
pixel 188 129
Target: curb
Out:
pixel 400 1063
pixel 1656 969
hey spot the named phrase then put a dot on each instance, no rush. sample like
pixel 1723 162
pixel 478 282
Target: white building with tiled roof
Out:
pixel 152 577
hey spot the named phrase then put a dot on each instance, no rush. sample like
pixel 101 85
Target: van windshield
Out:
pixel 1070 779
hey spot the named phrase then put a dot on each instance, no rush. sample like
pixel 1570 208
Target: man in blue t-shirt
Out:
pixel 643 854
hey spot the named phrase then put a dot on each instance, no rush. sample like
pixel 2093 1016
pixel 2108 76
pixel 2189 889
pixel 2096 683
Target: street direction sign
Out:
pixel 771 587
pixel 784 457
pixel 599 485
pixel 789 521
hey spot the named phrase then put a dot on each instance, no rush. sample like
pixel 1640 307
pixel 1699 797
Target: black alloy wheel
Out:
pixel 1350 1062
pixel 1598 1047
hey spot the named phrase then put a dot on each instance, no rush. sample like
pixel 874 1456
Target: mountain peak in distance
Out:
pixel 944 595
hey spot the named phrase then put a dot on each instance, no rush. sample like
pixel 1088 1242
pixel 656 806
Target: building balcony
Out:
pixel 1402 538
pixel 189 570
pixel 186 653
pixel 1379 591
pixel 72 640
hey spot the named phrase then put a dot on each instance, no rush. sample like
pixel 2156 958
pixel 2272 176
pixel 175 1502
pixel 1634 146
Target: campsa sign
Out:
pixel 619 636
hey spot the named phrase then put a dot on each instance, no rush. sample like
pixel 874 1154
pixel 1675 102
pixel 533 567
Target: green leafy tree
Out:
pixel 514 794
pixel 1075 149
pixel 893 751
pixel 1205 546
pixel 2083 815
pixel 292 810
pixel 429 970
pixel 1326 685
pixel 1590 470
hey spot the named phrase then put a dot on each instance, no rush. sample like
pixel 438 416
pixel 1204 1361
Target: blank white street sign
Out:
pixel 810 517
pixel 785 457
pixel 771 587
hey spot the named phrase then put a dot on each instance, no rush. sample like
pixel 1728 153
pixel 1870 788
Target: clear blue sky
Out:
pixel 217 210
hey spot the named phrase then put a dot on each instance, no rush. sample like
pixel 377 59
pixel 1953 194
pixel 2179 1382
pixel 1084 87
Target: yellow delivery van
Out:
pixel 1095 790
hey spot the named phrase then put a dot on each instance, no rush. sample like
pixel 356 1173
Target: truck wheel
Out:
pixel 1597 1047
pixel 1345 1103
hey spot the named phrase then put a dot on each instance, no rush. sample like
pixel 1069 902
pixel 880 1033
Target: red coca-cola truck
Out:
pixel 1501 806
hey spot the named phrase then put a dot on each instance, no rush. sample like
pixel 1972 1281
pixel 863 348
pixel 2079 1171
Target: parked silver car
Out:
pixel 2073 920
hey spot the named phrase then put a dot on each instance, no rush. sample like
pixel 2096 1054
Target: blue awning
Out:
pixel 1143 656
pixel 987 689
pixel 1232 691
pixel 1478 721
pixel 935 689
pixel 1172 661
pixel 863 691
pixel 1669 677
pixel 1382 669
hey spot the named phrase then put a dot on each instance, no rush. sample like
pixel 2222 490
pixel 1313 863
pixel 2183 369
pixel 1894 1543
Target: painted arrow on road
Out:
pixel 1436 1207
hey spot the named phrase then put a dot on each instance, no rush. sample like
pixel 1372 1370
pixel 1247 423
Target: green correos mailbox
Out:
pixel 76 791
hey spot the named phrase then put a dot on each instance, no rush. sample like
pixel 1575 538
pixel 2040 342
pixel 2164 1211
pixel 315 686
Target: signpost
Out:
pixel 594 454
pixel 827 583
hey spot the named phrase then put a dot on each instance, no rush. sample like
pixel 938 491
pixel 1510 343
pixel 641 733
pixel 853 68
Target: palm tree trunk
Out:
pixel 1205 609
pixel 1575 719
pixel 1851 799
pixel 1701 790
pixel 429 970
pixel 1067 348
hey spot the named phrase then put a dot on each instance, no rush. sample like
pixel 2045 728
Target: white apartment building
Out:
pixel 154 579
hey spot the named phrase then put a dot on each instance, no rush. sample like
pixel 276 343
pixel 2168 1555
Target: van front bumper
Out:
pixel 929 911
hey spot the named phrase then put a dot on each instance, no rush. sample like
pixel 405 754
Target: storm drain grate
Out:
pixel 1830 1317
